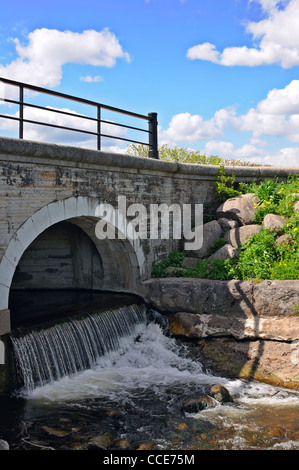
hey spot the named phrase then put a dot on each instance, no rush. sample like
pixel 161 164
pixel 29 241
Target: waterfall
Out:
pixel 45 355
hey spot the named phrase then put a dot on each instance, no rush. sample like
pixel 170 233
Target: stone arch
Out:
pixel 123 260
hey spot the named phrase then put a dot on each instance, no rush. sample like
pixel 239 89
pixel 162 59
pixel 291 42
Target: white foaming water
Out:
pixel 153 361
pixel 134 368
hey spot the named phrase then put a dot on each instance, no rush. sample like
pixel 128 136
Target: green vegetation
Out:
pixel 227 187
pixel 174 259
pixel 205 269
pixel 267 255
pixel 183 155
pixel 276 197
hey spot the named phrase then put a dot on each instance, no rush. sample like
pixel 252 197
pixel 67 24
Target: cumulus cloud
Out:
pixel 287 156
pixel 189 128
pixel 278 34
pixel 41 60
pixel 205 51
pixel 283 101
pixel 275 117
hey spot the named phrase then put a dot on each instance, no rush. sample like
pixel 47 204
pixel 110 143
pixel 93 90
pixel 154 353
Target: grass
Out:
pixel 262 257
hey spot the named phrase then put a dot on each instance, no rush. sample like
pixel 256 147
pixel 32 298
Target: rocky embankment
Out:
pixel 241 328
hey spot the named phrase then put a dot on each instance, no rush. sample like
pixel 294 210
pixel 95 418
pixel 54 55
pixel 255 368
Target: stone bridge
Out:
pixel 49 197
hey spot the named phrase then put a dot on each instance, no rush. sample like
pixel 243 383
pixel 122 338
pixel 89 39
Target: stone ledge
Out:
pixel 271 362
pixel 194 325
pixel 33 150
pixel 225 298
pixel 240 329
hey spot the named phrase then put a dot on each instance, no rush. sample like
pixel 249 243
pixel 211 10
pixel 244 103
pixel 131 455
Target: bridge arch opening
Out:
pixel 57 248
pixel 61 257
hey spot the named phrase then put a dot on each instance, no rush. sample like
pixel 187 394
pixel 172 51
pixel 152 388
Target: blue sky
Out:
pixel 221 74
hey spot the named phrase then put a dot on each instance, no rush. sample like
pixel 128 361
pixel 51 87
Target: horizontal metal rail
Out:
pixel 151 118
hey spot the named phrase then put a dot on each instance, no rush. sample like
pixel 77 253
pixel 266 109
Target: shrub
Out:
pixel 174 259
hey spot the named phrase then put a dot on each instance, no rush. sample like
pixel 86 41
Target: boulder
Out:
pixel 241 235
pixel 240 208
pixel 4 445
pixel 296 206
pixel 146 446
pixel 194 405
pixel 122 443
pixel 273 362
pixel 227 224
pixel 277 298
pixel 225 252
pixel 273 221
pixel 99 442
pixel 286 239
pixel 211 232
pixel 220 394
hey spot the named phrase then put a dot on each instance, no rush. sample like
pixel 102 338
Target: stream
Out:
pixel 128 392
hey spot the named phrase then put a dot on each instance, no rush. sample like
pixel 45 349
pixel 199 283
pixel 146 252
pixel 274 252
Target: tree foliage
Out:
pixel 185 155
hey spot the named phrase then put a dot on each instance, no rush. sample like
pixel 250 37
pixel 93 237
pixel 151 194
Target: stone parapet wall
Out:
pixel 64 154
pixel 42 184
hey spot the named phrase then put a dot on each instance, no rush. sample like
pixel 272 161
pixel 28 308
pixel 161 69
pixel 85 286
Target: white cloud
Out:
pixel 288 156
pixel 283 101
pixel 278 34
pixel 227 149
pixel 41 133
pixel 41 60
pixel 205 51
pixel 189 128
pixel 276 117
pixel 90 79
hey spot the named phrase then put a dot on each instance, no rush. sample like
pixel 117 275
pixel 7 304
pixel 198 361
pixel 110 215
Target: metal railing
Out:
pixel 151 118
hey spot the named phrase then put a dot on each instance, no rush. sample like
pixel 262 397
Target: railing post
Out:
pixel 153 135
pixel 99 128
pixel 21 116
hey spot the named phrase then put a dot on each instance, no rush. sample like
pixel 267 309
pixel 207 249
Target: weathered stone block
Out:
pixel 211 232
pixel 225 252
pixel 240 208
pixel 227 224
pixel 277 298
pixel 241 235
pixel 203 296
pixel 273 221
pixel 239 327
